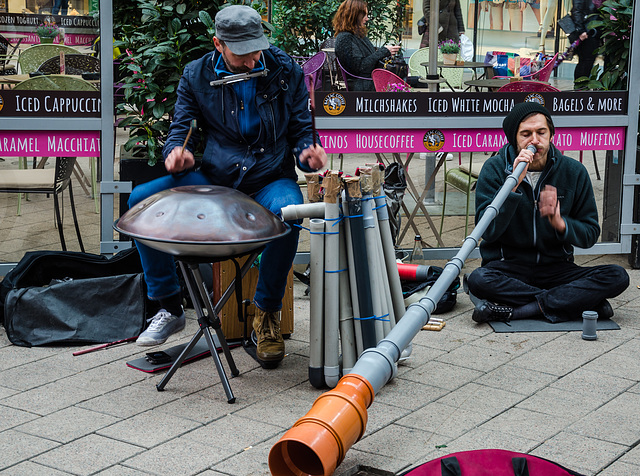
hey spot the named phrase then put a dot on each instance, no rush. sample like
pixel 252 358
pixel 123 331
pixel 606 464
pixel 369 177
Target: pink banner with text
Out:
pixel 461 140
pixel 49 143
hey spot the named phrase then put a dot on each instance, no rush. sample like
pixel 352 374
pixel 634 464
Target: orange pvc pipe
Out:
pixel 318 442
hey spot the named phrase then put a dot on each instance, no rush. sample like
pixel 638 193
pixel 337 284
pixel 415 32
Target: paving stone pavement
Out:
pixel 549 394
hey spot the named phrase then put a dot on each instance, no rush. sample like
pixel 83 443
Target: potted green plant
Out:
pixel 449 50
pixel 158 39
pixel 47 31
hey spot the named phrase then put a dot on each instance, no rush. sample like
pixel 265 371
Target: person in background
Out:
pixel 528 268
pixel 354 50
pixel 255 131
pixel 589 38
pixel 450 21
pixel 60 7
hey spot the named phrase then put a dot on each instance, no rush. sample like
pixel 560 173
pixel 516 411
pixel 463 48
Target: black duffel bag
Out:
pixel 66 297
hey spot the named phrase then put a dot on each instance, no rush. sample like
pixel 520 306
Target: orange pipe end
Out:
pixel 318 442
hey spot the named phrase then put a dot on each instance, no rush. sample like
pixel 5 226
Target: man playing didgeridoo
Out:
pixel 528 270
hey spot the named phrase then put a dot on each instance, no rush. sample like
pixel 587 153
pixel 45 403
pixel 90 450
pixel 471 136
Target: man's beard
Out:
pixel 235 70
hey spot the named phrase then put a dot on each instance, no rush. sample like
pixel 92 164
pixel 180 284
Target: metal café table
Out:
pixel 473 65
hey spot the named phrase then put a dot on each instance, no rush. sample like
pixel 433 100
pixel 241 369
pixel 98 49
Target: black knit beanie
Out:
pixel 516 116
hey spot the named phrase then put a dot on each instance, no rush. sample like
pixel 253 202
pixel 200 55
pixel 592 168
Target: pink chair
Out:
pixel 311 68
pixel 383 79
pixel 527 86
pixel 543 74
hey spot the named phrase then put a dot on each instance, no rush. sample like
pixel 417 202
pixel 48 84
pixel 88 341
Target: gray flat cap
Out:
pixel 240 27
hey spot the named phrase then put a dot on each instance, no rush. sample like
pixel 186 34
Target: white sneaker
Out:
pixel 163 324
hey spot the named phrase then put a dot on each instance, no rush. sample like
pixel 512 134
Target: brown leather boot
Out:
pixel 270 349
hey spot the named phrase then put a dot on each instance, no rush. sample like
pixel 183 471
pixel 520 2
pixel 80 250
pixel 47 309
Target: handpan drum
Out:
pixel 201 221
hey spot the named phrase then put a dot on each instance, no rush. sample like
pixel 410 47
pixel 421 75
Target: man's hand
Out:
pixel 549 207
pixel 177 160
pixel 314 156
pixel 524 156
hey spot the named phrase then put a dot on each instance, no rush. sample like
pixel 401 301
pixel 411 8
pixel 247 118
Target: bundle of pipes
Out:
pixel 318 442
pixel 356 294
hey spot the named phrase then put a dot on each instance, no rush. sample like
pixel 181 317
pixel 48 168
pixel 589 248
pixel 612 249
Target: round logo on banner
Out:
pixel 433 140
pixel 1 103
pixel 534 97
pixel 334 104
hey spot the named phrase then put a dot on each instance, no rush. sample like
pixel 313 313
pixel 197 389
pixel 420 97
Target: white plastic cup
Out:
pixel 589 324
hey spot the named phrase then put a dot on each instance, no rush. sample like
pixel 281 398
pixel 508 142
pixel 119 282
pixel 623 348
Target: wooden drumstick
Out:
pixel 194 124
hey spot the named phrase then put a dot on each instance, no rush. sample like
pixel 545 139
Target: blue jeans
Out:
pixel 275 262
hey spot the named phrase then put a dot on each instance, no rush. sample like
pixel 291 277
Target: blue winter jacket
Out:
pixel 229 158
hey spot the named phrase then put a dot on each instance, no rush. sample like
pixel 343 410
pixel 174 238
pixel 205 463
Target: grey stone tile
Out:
pixel 35 374
pixel 562 355
pixel 447 339
pixel 527 424
pixel 202 407
pixel 595 386
pixel 516 379
pixel 420 355
pixel 288 409
pixel 481 399
pixel 149 429
pixel 178 457
pixel 617 365
pixel 619 468
pixel 618 425
pixel 443 375
pixel 253 461
pixel 6 392
pixel 233 433
pixel 129 401
pixel 475 357
pixel 14 357
pixel 28 467
pixel 120 470
pixel 87 455
pixel 415 443
pixel 68 424
pixel 479 438
pixel 443 420
pixel 579 452
pixel 12 417
pixel 408 394
pixel 361 460
pixel 381 415
pixel 632 457
pixel 515 343
pixel 563 403
pixel 16 447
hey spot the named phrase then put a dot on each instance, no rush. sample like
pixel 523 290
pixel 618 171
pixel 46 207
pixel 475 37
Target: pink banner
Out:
pixel 461 140
pixel 70 39
pixel 49 143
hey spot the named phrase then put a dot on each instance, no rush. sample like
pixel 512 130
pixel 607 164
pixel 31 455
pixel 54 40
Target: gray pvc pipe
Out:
pixel 305 210
pixel 393 276
pixel 352 278
pixel 331 294
pixel 316 277
pixel 378 365
pixel 347 331
pixel 371 241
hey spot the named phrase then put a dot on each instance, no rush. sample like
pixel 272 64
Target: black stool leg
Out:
pixel 214 320
pixel 176 365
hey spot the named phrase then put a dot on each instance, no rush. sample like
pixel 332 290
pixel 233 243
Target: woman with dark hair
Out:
pixel 354 50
